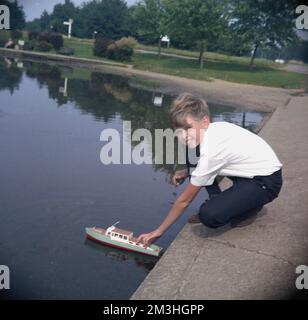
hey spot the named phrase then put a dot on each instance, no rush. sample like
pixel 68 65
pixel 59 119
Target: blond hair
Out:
pixel 187 105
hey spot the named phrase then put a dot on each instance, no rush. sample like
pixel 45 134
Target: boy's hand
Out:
pixel 178 176
pixel 148 238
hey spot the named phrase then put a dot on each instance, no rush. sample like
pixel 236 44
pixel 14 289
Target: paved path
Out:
pixel 297 68
pixel 173 55
pixel 255 262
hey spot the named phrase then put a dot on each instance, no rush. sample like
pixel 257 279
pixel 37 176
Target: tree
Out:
pixel 196 21
pixel 264 23
pixel 109 18
pixel 148 18
pixel 34 25
pixel 17 15
pixel 61 13
pixel 44 21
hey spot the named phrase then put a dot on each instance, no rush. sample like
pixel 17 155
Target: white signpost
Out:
pixel 165 39
pixel 69 24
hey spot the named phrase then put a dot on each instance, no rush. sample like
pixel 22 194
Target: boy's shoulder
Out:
pixel 224 132
pixel 223 126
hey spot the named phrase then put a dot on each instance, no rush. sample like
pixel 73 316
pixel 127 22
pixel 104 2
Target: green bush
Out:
pixel 100 46
pixel 67 51
pixel 43 36
pixel 29 45
pixel 110 52
pixel 122 49
pixel 55 39
pixel 43 46
pixel 33 35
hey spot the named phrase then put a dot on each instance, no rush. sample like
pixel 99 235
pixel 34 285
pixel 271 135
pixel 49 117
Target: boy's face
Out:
pixel 192 134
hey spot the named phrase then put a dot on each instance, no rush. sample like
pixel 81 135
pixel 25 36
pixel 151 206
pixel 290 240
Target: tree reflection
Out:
pixel 107 96
pixel 10 75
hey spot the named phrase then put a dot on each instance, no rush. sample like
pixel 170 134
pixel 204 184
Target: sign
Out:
pixel 4 277
pixel 302 20
pixel 4 17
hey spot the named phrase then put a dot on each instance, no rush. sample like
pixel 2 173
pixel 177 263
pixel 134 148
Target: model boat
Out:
pixel 120 238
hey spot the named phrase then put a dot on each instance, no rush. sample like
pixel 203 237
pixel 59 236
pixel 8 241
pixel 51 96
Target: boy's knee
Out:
pixel 209 218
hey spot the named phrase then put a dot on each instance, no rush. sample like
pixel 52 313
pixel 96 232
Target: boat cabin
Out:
pixel 119 234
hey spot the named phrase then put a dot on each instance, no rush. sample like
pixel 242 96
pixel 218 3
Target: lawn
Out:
pixel 212 56
pixel 229 71
pixel 229 68
pixel 84 49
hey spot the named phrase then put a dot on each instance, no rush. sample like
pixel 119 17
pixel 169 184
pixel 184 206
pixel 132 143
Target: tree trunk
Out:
pixel 253 55
pixel 201 54
pixel 244 120
pixel 159 47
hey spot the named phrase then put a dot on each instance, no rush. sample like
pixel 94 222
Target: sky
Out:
pixel 34 8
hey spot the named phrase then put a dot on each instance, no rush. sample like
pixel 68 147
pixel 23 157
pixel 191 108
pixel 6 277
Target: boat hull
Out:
pixel 102 238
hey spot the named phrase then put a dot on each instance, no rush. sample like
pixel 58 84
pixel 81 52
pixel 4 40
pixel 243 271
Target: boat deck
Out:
pixel 103 231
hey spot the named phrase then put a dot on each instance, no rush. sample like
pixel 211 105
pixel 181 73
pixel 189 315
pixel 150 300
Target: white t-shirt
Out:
pixel 229 150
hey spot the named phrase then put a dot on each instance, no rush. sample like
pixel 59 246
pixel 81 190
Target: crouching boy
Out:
pixel 227 150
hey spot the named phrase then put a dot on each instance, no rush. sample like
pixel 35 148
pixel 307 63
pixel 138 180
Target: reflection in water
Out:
pixel 63 89
pixel 10 75
pixel 105 96
pixel 141 260
pixel 157 99
pixel 108 97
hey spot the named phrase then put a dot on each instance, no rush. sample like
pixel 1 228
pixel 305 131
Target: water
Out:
pixel 53 184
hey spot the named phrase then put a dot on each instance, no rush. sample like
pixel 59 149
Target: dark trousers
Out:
pixel 245 195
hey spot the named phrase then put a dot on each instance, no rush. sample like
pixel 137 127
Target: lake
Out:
pixel 53 183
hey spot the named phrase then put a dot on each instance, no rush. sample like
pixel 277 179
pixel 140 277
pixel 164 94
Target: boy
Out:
pixel 226 150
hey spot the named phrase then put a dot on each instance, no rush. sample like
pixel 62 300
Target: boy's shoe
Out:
pixel 246 219
pixel 194 218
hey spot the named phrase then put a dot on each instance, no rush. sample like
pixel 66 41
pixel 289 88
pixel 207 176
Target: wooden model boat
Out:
pixel 120 238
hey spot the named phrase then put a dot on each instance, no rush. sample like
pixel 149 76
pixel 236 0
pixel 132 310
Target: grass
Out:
pixel 229 68
pixel 212 56
pixel 84 49
pixel 229 71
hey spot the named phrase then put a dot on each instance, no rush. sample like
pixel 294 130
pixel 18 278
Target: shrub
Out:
pixel 100 46
pixel 55 39
pixel 43 46
pixel 16 34
pixel 110 52
pixel 43 36
pixel 29 45
pixel 33 35
pixel 127 41
pixel 67 51
pixel 122 49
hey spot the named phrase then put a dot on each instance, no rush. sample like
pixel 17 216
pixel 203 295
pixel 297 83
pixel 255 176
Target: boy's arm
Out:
pixel 177 209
